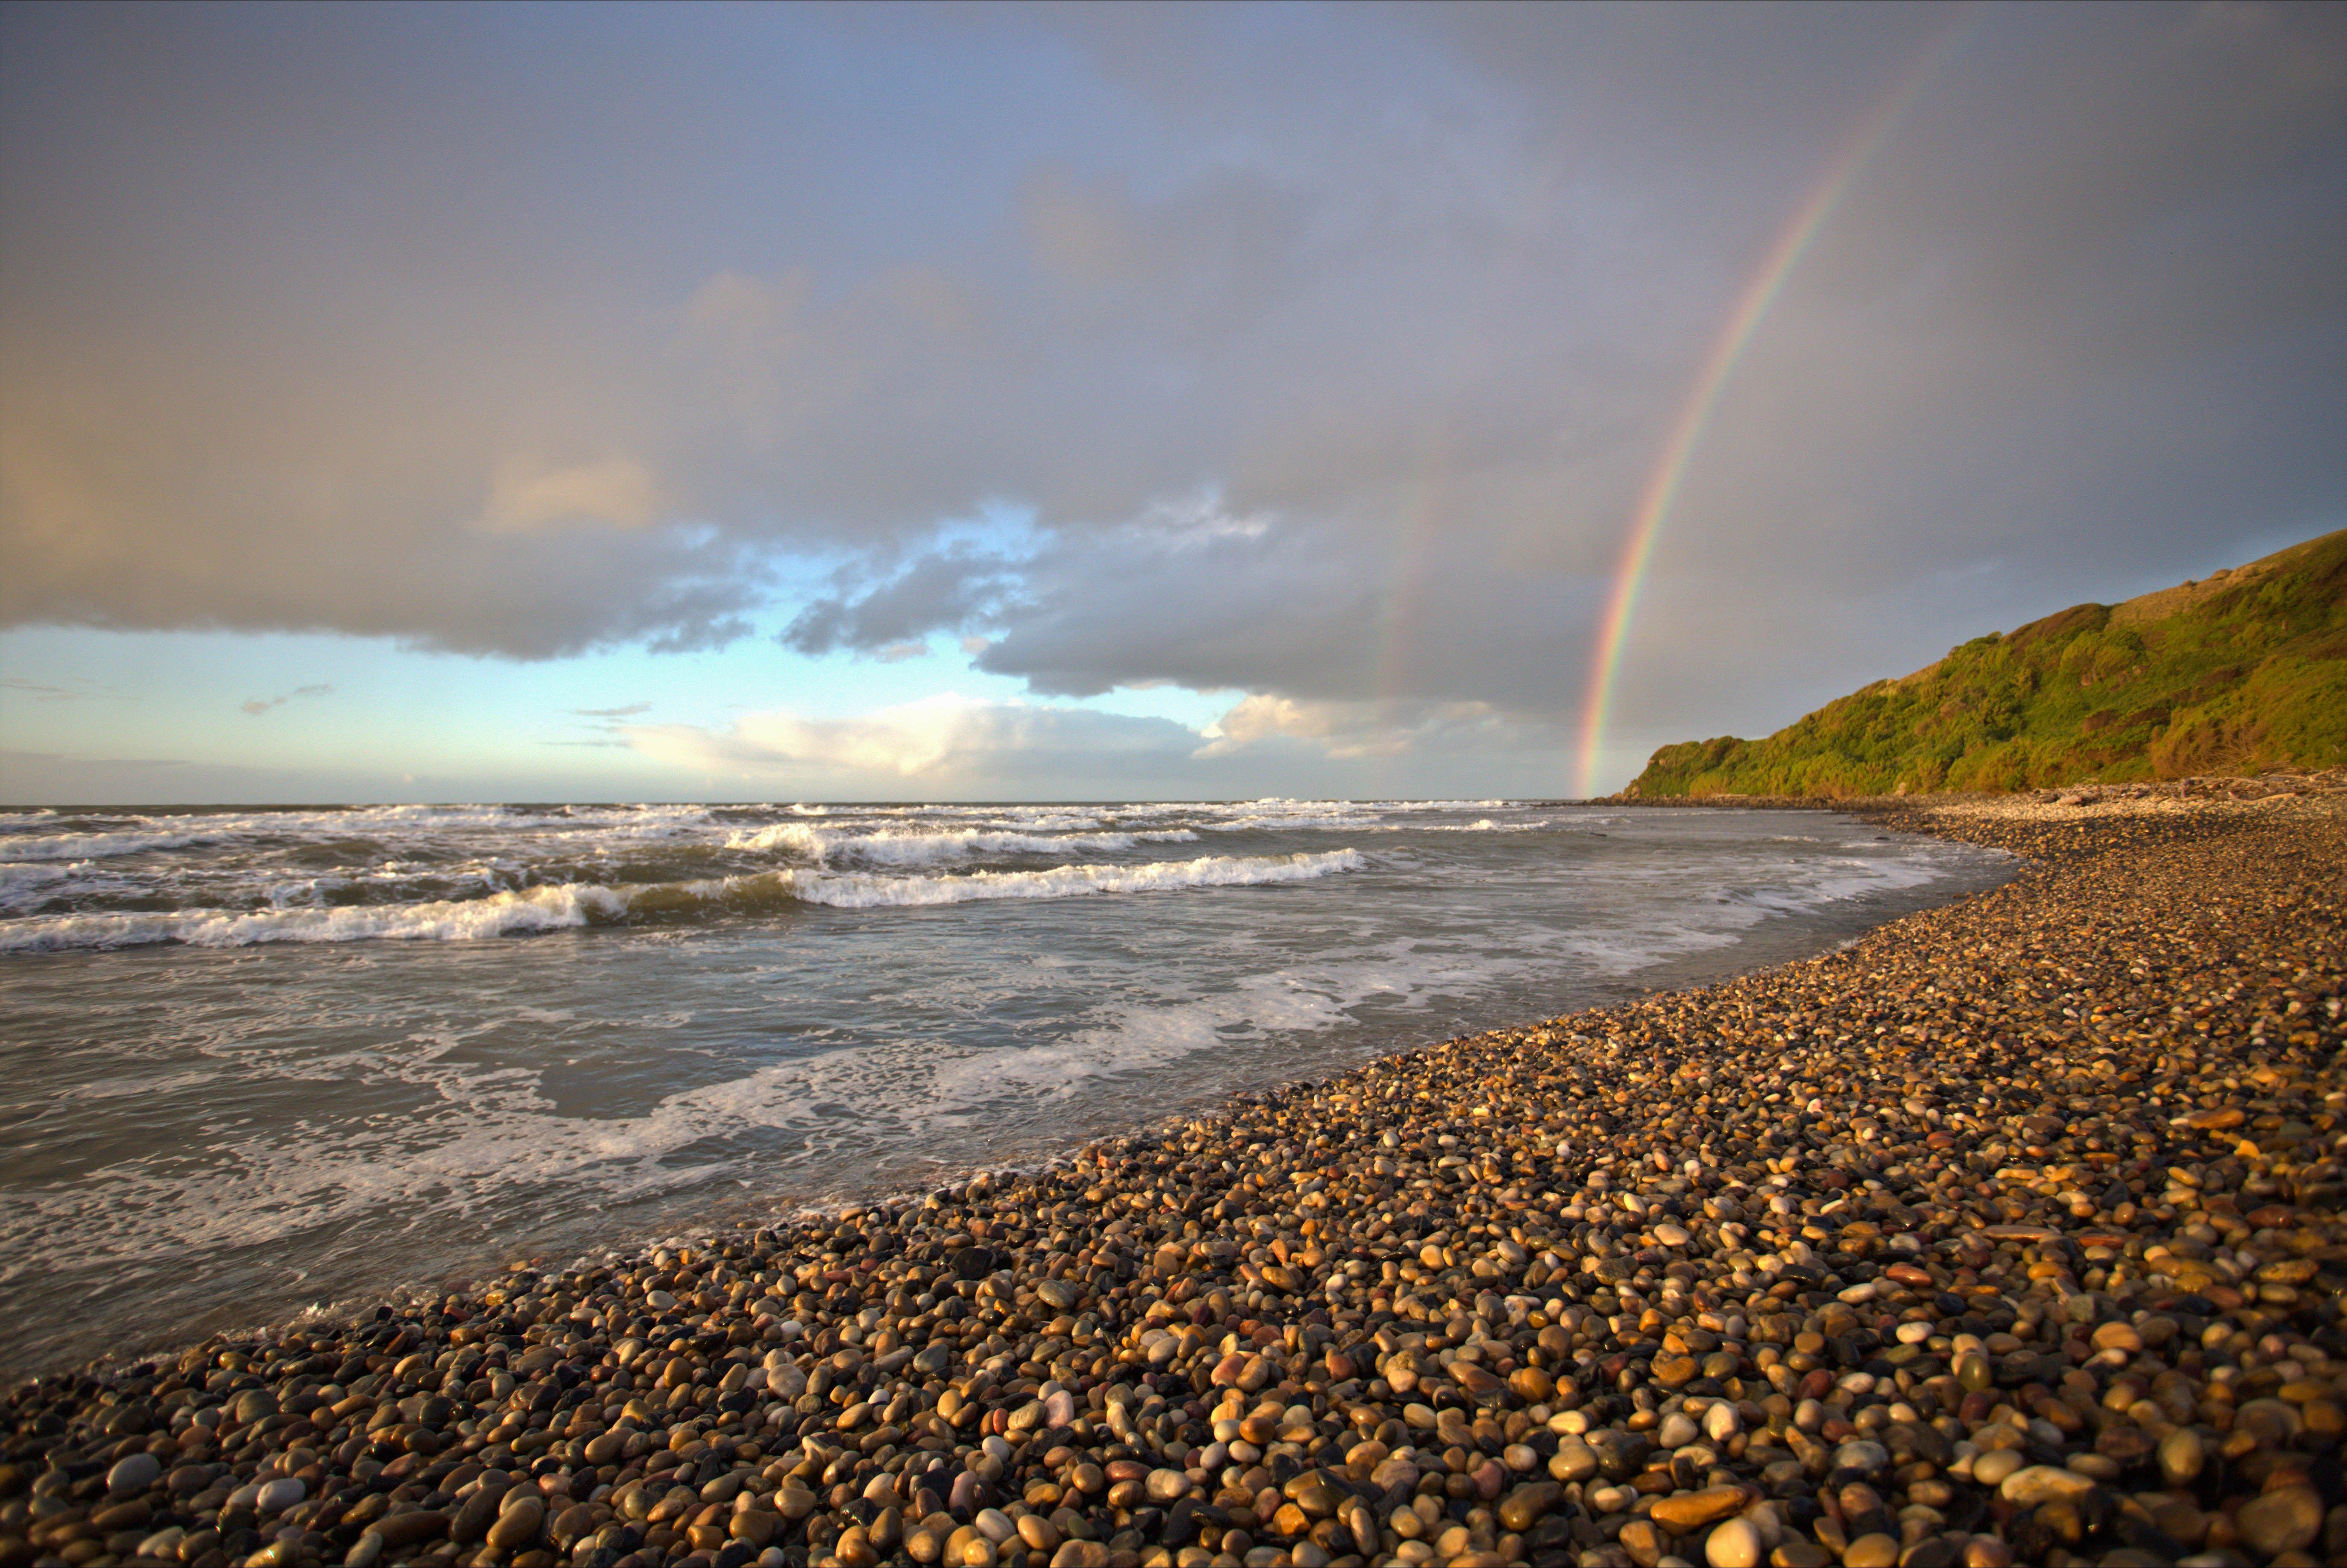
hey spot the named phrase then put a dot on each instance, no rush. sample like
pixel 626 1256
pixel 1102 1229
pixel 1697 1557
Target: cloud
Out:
pixel 948 747
pixel 79 692
pixel 258 705
pixel 937 743
pixel 302 332
pixel 949 590
pixel 1193 595
pixel 1359 728
pixel 526 496
pixel 628 712
pixel 31 776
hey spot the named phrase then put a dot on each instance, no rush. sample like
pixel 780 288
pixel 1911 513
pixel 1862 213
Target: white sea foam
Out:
pixel 500 914
pixel 810 842
pixel 1812 884
pixel 1229 1022
pixel 852 892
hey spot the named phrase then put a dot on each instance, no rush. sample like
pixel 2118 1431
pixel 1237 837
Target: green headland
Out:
pixel 2242 672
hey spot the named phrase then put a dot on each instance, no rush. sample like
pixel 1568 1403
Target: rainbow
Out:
pixel 1662 486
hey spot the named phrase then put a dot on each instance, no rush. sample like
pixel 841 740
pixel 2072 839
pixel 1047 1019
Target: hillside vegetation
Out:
pixel 2243 673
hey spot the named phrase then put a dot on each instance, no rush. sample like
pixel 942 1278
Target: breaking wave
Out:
pixel 895 848
pixel 526 910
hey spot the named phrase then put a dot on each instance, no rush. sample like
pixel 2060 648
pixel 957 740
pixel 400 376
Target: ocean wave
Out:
pixel 29 884
pixel 570 905
pixel 852 892
pixel 100 845
pixel 501 914
pixel 15 876
pixel 887 847
pixel 142 835
pixel 1024 818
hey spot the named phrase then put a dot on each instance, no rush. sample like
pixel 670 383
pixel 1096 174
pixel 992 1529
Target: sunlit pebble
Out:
pixel 2036 1194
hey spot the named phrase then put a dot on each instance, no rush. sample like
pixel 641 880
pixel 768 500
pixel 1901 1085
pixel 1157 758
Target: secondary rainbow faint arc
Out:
pixel 1687 432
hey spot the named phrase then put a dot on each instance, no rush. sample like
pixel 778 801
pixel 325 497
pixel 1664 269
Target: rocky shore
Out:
pixel 2009 1234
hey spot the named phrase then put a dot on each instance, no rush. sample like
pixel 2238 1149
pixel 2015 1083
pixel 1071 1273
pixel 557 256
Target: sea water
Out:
pixel 262 1060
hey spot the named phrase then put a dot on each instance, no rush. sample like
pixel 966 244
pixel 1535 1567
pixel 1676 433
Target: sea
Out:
pixel 259 1062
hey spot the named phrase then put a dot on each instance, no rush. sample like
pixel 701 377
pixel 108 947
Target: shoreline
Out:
pixel 1542 1290
pixel 1298 1004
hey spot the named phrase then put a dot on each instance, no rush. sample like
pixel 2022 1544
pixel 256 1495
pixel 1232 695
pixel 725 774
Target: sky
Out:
pixel 564 402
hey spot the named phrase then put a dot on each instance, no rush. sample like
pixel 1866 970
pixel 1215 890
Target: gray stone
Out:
pixel 277 1496
pixel 132 1474
pixel 1868 1459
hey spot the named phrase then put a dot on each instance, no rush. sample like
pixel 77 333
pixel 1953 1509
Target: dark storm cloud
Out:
pixel 1327 349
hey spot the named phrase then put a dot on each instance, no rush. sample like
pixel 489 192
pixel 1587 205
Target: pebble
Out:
pixel 2044 1483
pixel 1991 1467
pixel 277 1496
pixel 1688 1512
pixel 2010 1231
pixel 133 1474
pixel 518 1525
pixel 1736 1543
pixel 1878 1550
pixel 2278 1522
pixel 1862 1458
pixel 2182 1455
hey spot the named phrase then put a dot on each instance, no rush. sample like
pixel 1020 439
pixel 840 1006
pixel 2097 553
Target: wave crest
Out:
pixel 572 904
pixel 891 847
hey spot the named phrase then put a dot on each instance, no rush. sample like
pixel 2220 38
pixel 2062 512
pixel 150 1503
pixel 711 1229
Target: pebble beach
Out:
pixel 2007 1233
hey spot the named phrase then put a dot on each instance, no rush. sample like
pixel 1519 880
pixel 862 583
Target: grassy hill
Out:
pixel 2243 673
